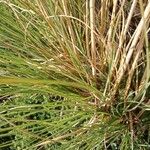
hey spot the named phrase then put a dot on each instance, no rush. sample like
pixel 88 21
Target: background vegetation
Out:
pixel 74 74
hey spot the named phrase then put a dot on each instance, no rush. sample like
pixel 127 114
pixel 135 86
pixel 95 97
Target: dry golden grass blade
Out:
pixel 113 16
pixel 110 30
pixel 131 48
pixel 114 35
pixel 123 36
pixel 103 16
pixel 133 68
pixel 87 29
pixel 92 25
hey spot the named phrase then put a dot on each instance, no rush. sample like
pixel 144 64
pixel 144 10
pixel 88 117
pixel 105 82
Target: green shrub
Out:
pixel 74 75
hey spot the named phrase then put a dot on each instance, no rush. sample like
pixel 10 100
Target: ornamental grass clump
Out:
pixel 74 75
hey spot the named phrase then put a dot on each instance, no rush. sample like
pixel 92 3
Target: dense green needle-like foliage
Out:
pixel 74 75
